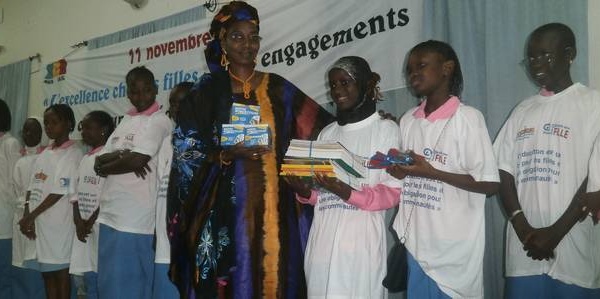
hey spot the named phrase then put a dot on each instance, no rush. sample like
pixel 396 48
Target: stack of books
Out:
pixel 307 158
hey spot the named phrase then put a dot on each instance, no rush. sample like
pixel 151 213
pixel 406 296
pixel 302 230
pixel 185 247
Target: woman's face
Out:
pixel 343 89
pixel 241 43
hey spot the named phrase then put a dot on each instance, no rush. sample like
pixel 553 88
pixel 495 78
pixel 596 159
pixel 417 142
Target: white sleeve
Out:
pixel 475 150
pixel 152 136
pixel 504 146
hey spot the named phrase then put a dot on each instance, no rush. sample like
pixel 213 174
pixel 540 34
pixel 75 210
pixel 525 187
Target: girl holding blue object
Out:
pixel 346 251
pixel 47 216
pixel 443 198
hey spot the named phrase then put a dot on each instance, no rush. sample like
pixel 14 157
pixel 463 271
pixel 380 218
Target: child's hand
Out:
pixel 142 172
pixel 591 203
pixel 81 230
pixel 239 151
pixel 396 172
pixel 334 186
pixel 420 167
pixel 541 242
pixel 297 185
pixel 27 226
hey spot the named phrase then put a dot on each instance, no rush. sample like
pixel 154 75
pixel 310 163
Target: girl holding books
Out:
pixel 346 251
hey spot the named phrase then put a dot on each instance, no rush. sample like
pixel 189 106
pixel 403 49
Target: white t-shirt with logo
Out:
pixel 446 232
pixel 9 154
pixel 346 251
pixel 84 256
pixel 22 248
pixel 128 203
pixel 546 145
pixel 163 247
pixel 54 172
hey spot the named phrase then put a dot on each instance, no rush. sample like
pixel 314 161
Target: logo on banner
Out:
pixel 55 71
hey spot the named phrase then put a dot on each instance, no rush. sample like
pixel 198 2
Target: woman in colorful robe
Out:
pixel 235 228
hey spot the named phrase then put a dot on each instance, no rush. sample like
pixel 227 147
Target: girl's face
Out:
pixel 55 127
pixel 548 61
pixel 343 89
pixel 176 96
pixel 91 132
pixel 427 72
pixel 32 132
pixel 241 43
pixel 141 93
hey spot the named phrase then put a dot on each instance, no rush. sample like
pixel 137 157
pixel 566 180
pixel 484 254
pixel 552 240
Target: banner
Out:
pixel 301 39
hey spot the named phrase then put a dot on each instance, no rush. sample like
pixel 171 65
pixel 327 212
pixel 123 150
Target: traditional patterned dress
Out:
pixel 238 226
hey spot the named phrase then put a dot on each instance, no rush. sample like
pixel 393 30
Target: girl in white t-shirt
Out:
pixel 9 154
pixel 48 213
pixel 95 128
pixel 443 196
pixel 346 251
pixel 128 202
pixel 26 283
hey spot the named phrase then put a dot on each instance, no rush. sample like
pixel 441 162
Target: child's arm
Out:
pixel 512 207
pixel 541 242
pixel 27 222
pixel 120 162
pixel 422 168
pixel 27 228
pixel 379 197
pixel 90 222
pixel 79 223
pixel 376 198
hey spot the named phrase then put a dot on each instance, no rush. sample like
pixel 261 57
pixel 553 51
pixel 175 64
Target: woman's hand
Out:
pixel 239 151
pixel 298 185
pixel 334 186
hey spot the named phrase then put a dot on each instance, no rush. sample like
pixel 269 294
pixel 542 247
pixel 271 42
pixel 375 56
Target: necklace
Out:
pixel 246 86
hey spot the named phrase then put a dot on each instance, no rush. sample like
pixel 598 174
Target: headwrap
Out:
pixel 233 12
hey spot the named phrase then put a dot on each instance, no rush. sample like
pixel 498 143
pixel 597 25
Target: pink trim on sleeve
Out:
pixel 379 197
pixel 312 200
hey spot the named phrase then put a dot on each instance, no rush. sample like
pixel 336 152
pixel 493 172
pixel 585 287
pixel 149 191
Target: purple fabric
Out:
pixel 242 275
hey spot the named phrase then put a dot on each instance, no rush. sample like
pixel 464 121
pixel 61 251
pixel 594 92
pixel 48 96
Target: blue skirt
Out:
pixel 125 264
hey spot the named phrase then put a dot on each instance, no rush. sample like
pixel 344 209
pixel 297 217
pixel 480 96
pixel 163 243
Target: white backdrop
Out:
pixel 300 40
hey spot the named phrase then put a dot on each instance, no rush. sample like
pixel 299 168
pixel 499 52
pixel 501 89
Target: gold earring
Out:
pixel 224 61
